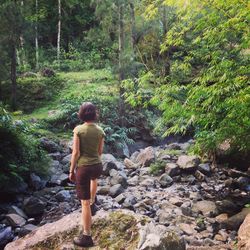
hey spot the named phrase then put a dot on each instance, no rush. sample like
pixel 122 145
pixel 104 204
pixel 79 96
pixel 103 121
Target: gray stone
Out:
pixel 205 168
pixel 16 210
pixel 109 162
pixel 120 198
pixel 49 145
pixel 145 157
pixel 118 178
pixel 244 234
pixel 134 181
pixel 116 190
pixel 36 182
pixel 104 190
pixel 188 163
pixel 149 182
pixel 172 169
pixel 199 175
pixel 63 195
pixel 188 229
pixel 33 206
pixel 6 235
pixel 26 229
pixel 66 160
pixel 165 180
pixel 15 220
pixel 129 164
pixel 234 222
pixel 207 208
pixel 176 201
pixel 55 156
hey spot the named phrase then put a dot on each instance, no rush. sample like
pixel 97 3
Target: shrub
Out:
pixel 20 152
pixel 157 167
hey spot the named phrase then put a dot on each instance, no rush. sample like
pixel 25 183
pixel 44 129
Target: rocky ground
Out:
pixel 202 203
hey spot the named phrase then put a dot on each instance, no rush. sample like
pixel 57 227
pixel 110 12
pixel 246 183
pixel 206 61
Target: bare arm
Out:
pixel 75 153
pixel 100 148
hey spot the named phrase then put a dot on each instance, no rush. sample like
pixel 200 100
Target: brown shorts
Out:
pixel 83 176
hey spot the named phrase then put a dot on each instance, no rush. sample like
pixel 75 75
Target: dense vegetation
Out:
pixel 184 62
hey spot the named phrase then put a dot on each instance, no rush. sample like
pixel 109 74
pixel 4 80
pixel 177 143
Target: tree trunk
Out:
pixel 59 30
pixel 121 61
pixel 22 50
pixel 13 77
pixel 133 30
pixel 36 38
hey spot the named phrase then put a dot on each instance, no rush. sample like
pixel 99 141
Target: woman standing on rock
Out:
pixel 86 166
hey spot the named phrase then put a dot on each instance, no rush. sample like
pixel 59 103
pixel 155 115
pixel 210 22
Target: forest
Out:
pixel 156 69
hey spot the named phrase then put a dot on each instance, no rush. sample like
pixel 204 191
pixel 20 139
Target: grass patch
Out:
pixel 157 168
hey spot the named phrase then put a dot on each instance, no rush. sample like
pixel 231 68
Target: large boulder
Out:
pixel 109 162
pixel 207 208
pixel 49 145
pixel 234 222
pixel 33 206
pixel 145 157
pixel 188 163
pixel 244 234
pixel 112 230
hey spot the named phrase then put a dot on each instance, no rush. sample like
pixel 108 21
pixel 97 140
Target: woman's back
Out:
pixel 90 136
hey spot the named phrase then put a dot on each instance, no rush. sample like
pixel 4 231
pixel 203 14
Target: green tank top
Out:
pixel 90 136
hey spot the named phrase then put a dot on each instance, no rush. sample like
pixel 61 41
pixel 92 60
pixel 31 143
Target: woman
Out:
pixel 87 149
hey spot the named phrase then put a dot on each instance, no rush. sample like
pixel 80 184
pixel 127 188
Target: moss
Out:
pixel 171 152
pixel 118 231
pixel 157 167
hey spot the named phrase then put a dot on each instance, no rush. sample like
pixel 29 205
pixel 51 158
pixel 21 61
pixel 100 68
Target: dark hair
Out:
pixel 87 112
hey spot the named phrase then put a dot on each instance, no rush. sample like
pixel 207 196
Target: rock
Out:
pixel 15 189
pixel 234 222
pixel 63 195
pixel 120 198
pixel 207 208
pixel 6 235
pixel 174 146
pixel 187 229
pixel 49 146
pixel 149 182
pixel 60 179
pixel 47 72
pixel 205 169
pixel 33 206
pixel 26 229
pixel 16 210
pixel 125 231
pixel 188 163
pixel 123 151
pixel 227 206
pixel 145 157
pixel 155 237
pixel 129 164
pixel 172 169
pixel 36 183
pixel 139 144
pixel 104 190
pixel 118 178
pixel 221 217
pixel 129 202
pixel 165 180
pixel 243 181
pixel 55 156
pixel 134 181
pixel 176 201
pixel 66 160
pixel 116 190
pixel 54 166
pixel 199 175
pixel 15 220
pixel 244 234
pixel 109 162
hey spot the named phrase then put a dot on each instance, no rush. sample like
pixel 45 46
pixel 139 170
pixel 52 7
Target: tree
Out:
pixel 59 30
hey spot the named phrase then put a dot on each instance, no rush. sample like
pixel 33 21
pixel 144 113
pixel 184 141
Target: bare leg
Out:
pixel 93 189
pixel 86 216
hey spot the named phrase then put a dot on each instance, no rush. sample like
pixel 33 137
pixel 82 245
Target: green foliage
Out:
pixel 20 152
pixel 157 167
pixel 207 88
pixel 118 137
